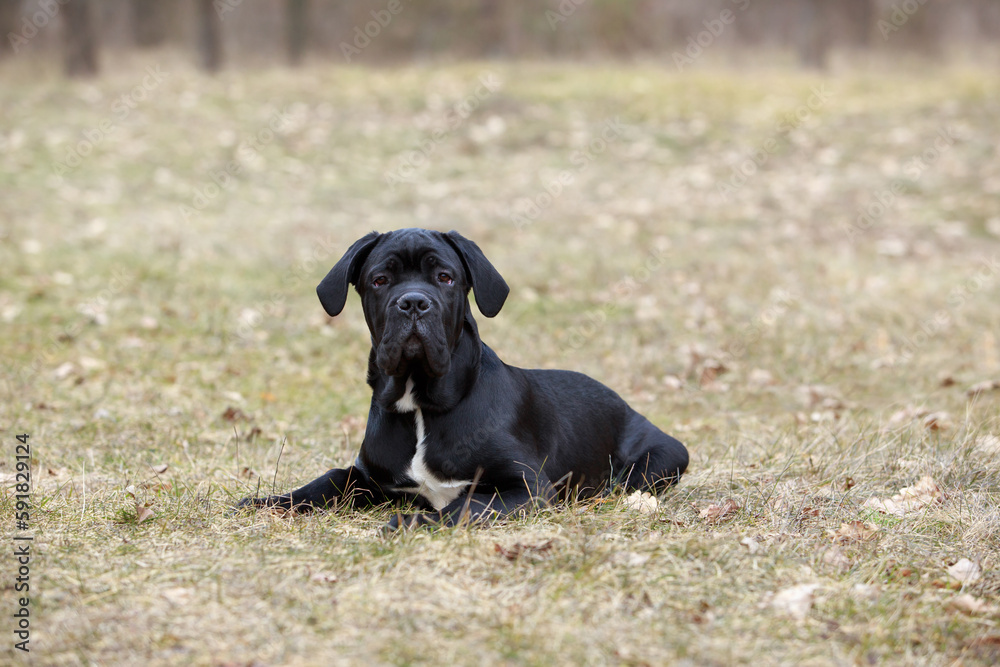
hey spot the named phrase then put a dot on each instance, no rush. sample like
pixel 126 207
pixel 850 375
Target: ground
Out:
pixel 795 274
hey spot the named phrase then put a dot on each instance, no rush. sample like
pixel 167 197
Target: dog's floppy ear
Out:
pixel 333 290
pixel 487 283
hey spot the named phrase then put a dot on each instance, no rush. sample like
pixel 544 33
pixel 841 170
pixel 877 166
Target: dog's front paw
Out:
pixel 281 503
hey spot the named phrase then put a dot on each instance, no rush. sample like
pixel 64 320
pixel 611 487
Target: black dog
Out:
pixel 451 427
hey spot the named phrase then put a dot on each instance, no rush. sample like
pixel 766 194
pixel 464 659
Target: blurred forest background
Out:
pixel 222 33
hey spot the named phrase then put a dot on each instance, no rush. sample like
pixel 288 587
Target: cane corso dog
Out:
pixel 454 430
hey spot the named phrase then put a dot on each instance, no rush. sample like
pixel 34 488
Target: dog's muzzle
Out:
pixel 414 334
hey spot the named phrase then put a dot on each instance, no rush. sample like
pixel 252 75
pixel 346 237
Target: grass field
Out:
pixel 796 275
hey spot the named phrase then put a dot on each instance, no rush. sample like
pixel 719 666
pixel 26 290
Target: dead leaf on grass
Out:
pixel 909 499
pixel 642 502
pixel 795 601
pixel 934 421
pixel 853 531
pixel 938 421
pixel 711 369
pixel 529 551
pixel 980 387
pixel 160 468
pixel 965 571
pixel 234 414
pixel 143 513
pixel 969 604
pixel 988 444
pixel 715 513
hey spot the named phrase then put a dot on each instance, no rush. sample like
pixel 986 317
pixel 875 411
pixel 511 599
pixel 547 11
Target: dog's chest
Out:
pixel 436 490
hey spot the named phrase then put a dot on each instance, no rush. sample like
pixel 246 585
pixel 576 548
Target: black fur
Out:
pixel 514 438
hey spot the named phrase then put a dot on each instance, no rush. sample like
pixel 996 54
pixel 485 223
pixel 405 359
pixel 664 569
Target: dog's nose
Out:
pixel 413 303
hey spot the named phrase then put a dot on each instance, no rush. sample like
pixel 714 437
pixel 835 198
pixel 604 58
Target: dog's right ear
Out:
pixel 333 290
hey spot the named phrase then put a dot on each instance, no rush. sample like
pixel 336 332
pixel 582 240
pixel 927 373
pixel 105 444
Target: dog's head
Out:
pixel 414 286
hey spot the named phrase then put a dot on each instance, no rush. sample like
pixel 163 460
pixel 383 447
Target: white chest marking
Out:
pixel 438 492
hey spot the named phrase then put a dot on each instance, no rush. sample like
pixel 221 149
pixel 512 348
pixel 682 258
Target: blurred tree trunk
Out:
pixel 209 36
pixel 813 40
pixel 79 40
pixel 296 13
pixel 10 13
pixel 149 22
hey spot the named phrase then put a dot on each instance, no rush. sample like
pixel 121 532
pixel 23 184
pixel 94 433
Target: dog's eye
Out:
pixel 445 278
pixel 379 281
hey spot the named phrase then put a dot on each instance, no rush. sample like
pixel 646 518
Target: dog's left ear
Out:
pixel 333 290
pixel 489 286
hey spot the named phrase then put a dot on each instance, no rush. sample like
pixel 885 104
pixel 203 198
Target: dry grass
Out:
pixel 763 334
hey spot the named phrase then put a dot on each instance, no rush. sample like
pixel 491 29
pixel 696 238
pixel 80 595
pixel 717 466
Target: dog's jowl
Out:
pixel 451 427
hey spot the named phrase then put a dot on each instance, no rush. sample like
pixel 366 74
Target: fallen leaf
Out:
pixel 795 601
pixel 519 550
pixel 965 571
pixel 909 499
pixel 710 370
pixel 853 531
pixel 160 468
pixel 980 387
pixel 715 513
pixel 142 513
pixel 906 415
pixel 969 604
pixel 989 642
pixel 642 502
pixel 234 414
pixel 938 421
pixel 988 444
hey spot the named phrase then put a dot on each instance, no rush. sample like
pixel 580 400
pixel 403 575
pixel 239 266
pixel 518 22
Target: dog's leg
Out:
pixel 650 460
pixel 481 508
pixel 350 486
